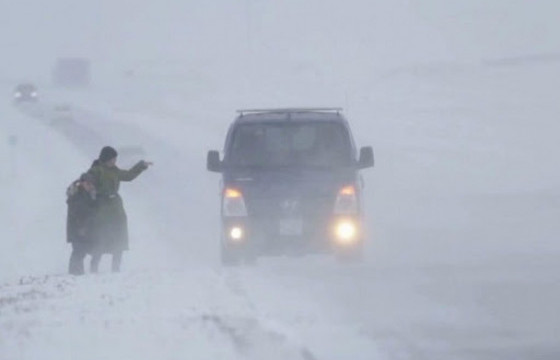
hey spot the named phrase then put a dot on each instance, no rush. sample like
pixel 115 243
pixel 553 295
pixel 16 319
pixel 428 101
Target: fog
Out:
pixel 458 100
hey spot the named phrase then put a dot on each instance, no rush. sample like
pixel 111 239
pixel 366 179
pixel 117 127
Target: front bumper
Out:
pixel 285 236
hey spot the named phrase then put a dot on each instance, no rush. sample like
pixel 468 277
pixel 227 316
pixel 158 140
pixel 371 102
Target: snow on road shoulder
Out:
pixel 197 313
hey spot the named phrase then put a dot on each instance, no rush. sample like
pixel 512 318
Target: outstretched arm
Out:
pixel 133 172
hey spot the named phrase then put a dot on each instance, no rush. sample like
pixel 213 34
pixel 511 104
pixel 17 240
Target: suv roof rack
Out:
pixel 290 110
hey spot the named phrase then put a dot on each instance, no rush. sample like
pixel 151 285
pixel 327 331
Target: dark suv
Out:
pixel 291 185
pixel 25 93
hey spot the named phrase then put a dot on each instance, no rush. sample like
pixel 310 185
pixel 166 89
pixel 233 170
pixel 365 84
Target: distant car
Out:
pixel 25 93
pixel 290 185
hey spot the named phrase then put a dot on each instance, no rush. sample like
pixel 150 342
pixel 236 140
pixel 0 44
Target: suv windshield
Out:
pixel 299 144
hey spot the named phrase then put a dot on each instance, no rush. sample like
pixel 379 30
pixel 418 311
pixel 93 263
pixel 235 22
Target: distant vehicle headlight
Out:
pixel 34 94
pixel 17 94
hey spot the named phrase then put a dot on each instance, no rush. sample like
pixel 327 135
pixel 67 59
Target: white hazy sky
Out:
pixel 331 36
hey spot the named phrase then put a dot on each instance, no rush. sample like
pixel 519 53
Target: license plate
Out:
pixel 290 227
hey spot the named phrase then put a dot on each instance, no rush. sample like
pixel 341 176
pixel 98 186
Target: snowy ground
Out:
pixel 462 204
pixel 169 315
pixel 316 310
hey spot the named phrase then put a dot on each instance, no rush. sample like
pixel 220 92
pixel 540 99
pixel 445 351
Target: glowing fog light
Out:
pixel 346 232
pixel 236 233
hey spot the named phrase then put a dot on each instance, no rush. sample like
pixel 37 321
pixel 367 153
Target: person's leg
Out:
pixel 76 266
pixel 117 258
pixel 94 264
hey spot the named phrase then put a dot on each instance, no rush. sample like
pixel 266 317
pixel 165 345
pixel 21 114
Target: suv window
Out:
pixel 299 144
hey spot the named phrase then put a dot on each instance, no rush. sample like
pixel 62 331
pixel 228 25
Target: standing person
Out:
pixel 110 222
pixel 81 208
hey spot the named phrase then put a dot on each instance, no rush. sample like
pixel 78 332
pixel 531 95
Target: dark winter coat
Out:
pixel 110 221
pixel 81 210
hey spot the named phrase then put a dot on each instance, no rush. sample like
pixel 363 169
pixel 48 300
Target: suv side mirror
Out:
pixel 366 157
pixel 213 162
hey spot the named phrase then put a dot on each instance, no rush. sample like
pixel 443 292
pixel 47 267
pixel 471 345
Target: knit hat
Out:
pixel 107 153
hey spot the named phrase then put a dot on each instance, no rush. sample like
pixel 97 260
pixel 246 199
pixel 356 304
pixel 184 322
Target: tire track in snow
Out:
pixel 233 279
pixel 291 305
pixel 255 331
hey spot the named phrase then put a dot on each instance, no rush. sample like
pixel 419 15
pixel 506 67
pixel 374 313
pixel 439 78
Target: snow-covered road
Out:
pixel 285 309
pixel 198 313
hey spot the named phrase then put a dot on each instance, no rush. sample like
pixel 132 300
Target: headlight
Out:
pixel 233 203
pixel 346 232
pixel 17 95
pixel 346 201
pixel 34 94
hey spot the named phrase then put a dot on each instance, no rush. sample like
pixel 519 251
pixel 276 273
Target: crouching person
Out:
pixel 110 221
pixel 81 199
